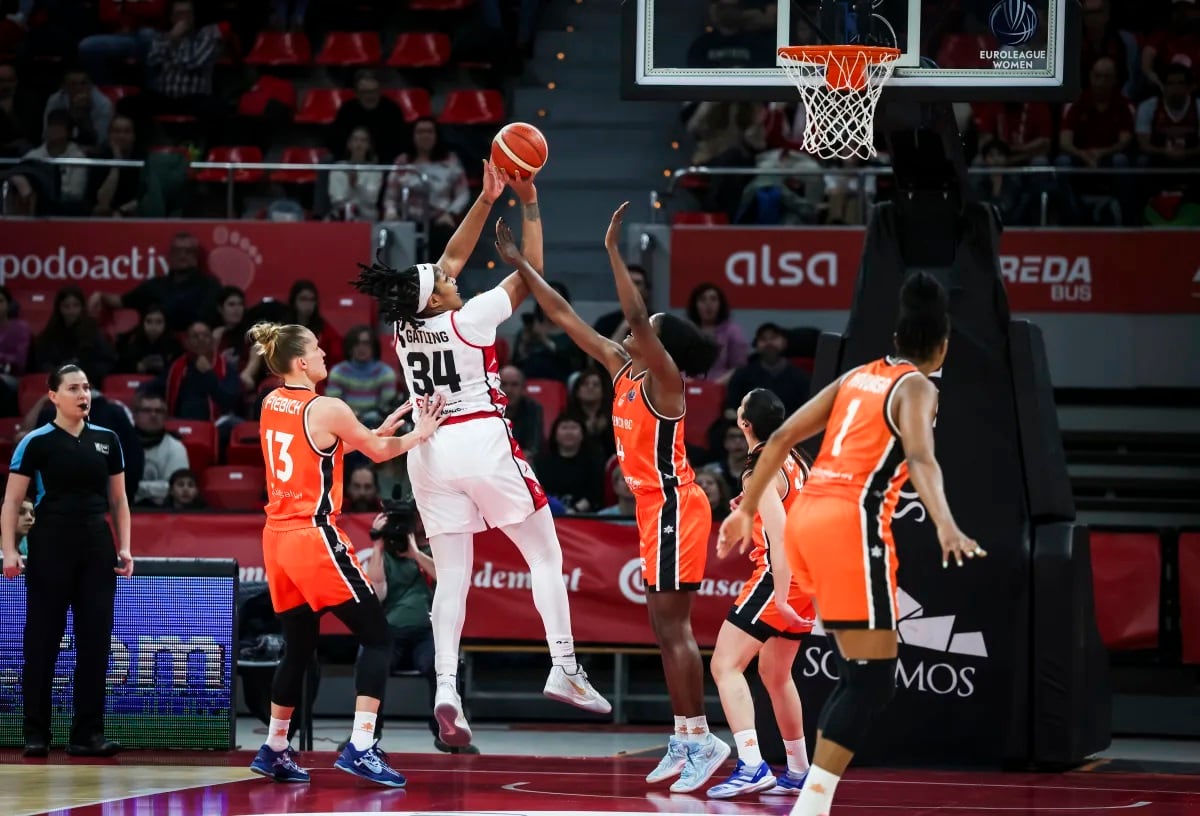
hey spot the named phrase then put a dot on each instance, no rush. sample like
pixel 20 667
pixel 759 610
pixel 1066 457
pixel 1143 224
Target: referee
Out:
pixel 78 470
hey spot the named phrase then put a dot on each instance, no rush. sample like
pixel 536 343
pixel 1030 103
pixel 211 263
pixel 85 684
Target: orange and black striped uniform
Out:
pixel 308 560
pixel 839 534
pixel 673 515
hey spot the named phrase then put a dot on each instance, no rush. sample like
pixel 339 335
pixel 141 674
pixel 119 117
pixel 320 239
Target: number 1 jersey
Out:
pixel 304 485
pixel 454 354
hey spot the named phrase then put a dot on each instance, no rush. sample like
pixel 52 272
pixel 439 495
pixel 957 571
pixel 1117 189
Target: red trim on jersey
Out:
pixel 491 365
pixel 455 420
pixel 537 493
pixel 454 325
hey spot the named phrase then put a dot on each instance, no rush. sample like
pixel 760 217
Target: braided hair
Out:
pixel 396 290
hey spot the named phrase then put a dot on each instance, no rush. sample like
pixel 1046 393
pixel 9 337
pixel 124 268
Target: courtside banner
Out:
pixel 601 569
pixel 1143 271
pixel 261 257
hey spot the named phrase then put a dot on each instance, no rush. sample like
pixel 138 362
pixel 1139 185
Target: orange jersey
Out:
pixel 861 458
pixel 795 470
pixel 649 446
pixel 304 485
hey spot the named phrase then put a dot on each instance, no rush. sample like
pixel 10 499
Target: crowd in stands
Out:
pixel 1137 108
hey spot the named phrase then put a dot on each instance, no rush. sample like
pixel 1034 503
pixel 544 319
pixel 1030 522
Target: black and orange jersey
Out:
pixel 650 446
pixel 304 484
pixel 795 471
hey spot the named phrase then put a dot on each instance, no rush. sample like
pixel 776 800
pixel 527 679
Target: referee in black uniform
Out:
pixel 77 469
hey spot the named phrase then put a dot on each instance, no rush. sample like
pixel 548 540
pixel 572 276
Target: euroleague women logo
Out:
pixel 1014 22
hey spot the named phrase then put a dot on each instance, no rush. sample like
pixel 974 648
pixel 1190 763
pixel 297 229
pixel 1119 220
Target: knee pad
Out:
pixel 372 670
pixel 863 691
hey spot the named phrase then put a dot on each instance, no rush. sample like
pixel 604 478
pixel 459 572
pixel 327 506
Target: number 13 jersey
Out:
pixel 304 485
pixel 454 354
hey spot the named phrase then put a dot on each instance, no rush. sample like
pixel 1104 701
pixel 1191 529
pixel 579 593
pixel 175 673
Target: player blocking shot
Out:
pixel 472 474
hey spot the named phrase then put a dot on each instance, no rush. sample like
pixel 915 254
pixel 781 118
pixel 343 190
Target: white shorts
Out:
pixel 471 476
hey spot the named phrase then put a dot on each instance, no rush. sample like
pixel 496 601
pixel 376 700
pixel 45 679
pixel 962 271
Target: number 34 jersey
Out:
pixel 454 354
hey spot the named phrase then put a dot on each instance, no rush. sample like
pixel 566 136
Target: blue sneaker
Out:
pixel 703 759
pixel 788 784
pixel 278 765
pixel 370 764
pixel 671 763
pixel 744 780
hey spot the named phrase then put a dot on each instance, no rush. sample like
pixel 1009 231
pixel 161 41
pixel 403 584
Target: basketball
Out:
pixel 519 149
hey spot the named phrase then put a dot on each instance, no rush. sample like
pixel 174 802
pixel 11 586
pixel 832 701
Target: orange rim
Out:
pixel 823 53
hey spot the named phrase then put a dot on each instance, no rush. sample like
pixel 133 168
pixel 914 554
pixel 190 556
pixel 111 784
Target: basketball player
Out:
pixel 767 620
pixel 878 423
pixel 674 518
pixel 310 564
pixel 472 475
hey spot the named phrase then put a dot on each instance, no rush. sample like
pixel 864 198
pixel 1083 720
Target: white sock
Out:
pixel 537 540
pixel 681 726
pixel 697 728
pixel 817 797
pixel 453 554
pixel 363 735
pixel 562 652
pixel 747 745
pixel 797 756
pixel 277 734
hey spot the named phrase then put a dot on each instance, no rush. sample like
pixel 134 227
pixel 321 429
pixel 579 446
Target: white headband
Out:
pixel 427 275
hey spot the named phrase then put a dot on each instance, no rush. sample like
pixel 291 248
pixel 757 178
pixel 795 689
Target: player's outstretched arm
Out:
pixel 462 242
pixel 335 417
pixel 604 351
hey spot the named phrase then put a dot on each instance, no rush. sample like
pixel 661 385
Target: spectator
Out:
pixel 1097 131
pixel 727 43
pixel 58 145
pixel 768 368
pixel 186 293
pixel 148 348
pixel 716 490
pixel 362 490
pixel 362 380
pixel 25 521
pixel 127 37
pixel 304 305
pixel 612 324
pixel 442 198
pixel 571 470
pixel 15 337
pixel 1179 42
pixel 370 109
pixel 288 14
pixel 1004 192
pixel 708 308
pixel 591 399
pixel 229 333
pixel 1026 127
pixel 1168 126
pixel 183 492
pixel 625 506
pixel 729 451
pixel 543 350
pixel 524 415
pixel 199 385
pixel 89 111
pixel 114 191
pixel 20 124
pixel 72 336
pixel 180 69
pixel 1102 38
pixel 164 454
pixel 354 194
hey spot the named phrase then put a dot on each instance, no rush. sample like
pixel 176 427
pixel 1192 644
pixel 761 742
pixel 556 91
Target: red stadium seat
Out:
pixel 420 50
pixel 237 153
pixel 440 5
pixel 245 447
pixel 34 308
pixel 30 389
pixel 267 89
pixel 414 102
pixel 200 439
pixel 348 49
pixel 705 403
pixel 279 48
pixel 9 426
pixel 116 93
pixel 234 487
pixel 122 387
pixel 1126 582
pixel 320 105
pixel 805 364
pixel 299 155
pixel 1189 595
pixel 551 395
pixel 700 218
pixel 472 107
pixel 346 311
pixel 124 320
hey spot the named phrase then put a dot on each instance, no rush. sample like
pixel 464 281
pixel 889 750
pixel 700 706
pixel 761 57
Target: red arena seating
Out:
pixel 116 93
pixel 1127 580
pixel 267 89
pixel 349 49
pixel 278 48
pixel 320 105
pixel 414 102
pixel 234 487
pixel 705 402
pixel 700 218
pixel 299 155
pixel 245 447
pixel 122 387
pixel 200 439
pixel 551 395
pixel 420 50
pixel 237 153
pixel 473 108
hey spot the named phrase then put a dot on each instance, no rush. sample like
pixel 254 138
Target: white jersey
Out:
pixel 454 354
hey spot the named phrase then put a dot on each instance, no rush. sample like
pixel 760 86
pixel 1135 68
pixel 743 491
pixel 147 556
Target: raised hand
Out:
pixel 614 227
pixel 522 187
pixel 737 530
pixel 506 245
pixel 493 182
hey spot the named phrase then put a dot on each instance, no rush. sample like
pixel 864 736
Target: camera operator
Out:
pixel 402 573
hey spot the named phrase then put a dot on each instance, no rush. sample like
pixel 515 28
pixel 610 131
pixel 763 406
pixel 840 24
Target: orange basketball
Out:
pixel 520 149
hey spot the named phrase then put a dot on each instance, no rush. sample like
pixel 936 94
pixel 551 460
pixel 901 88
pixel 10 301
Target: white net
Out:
pixel 840 88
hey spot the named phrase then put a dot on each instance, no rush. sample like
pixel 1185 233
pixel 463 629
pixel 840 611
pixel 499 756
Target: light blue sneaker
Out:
pixel 787 784
pixel 744 780
pixel 703 759
pixel 278 765
pixel 672 763
pixel 370 764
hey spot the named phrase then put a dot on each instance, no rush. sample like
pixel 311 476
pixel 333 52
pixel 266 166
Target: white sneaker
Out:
pixel 447 710
pixel 575 689
pixel 672 763
pixel 703 759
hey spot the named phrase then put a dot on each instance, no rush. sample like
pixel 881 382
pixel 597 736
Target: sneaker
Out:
pixel 450 749
pixel 788 784
pixel 671 764
pixel 575 689
pixel 370 764
pixel 744 780
pixel 447 710
pixel 703 759
pixel 278 765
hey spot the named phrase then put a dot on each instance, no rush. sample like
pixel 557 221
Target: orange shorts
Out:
pixel 754 610
pixel 845 560
pixel 673 530
pixel 314 566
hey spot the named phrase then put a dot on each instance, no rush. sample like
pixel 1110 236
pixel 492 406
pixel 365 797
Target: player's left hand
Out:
pixel 493 183
pixel 737 530
pixel 392 422
pixel 522 187
pixel 613 236
pixel 790 616
pixel 506 245
pixel 126 568
pixel 431 416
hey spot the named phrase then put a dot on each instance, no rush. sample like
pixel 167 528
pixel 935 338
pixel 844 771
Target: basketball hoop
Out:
pixel 840 86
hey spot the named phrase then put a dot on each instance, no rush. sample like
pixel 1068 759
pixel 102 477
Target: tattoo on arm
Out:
pixel 531 212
